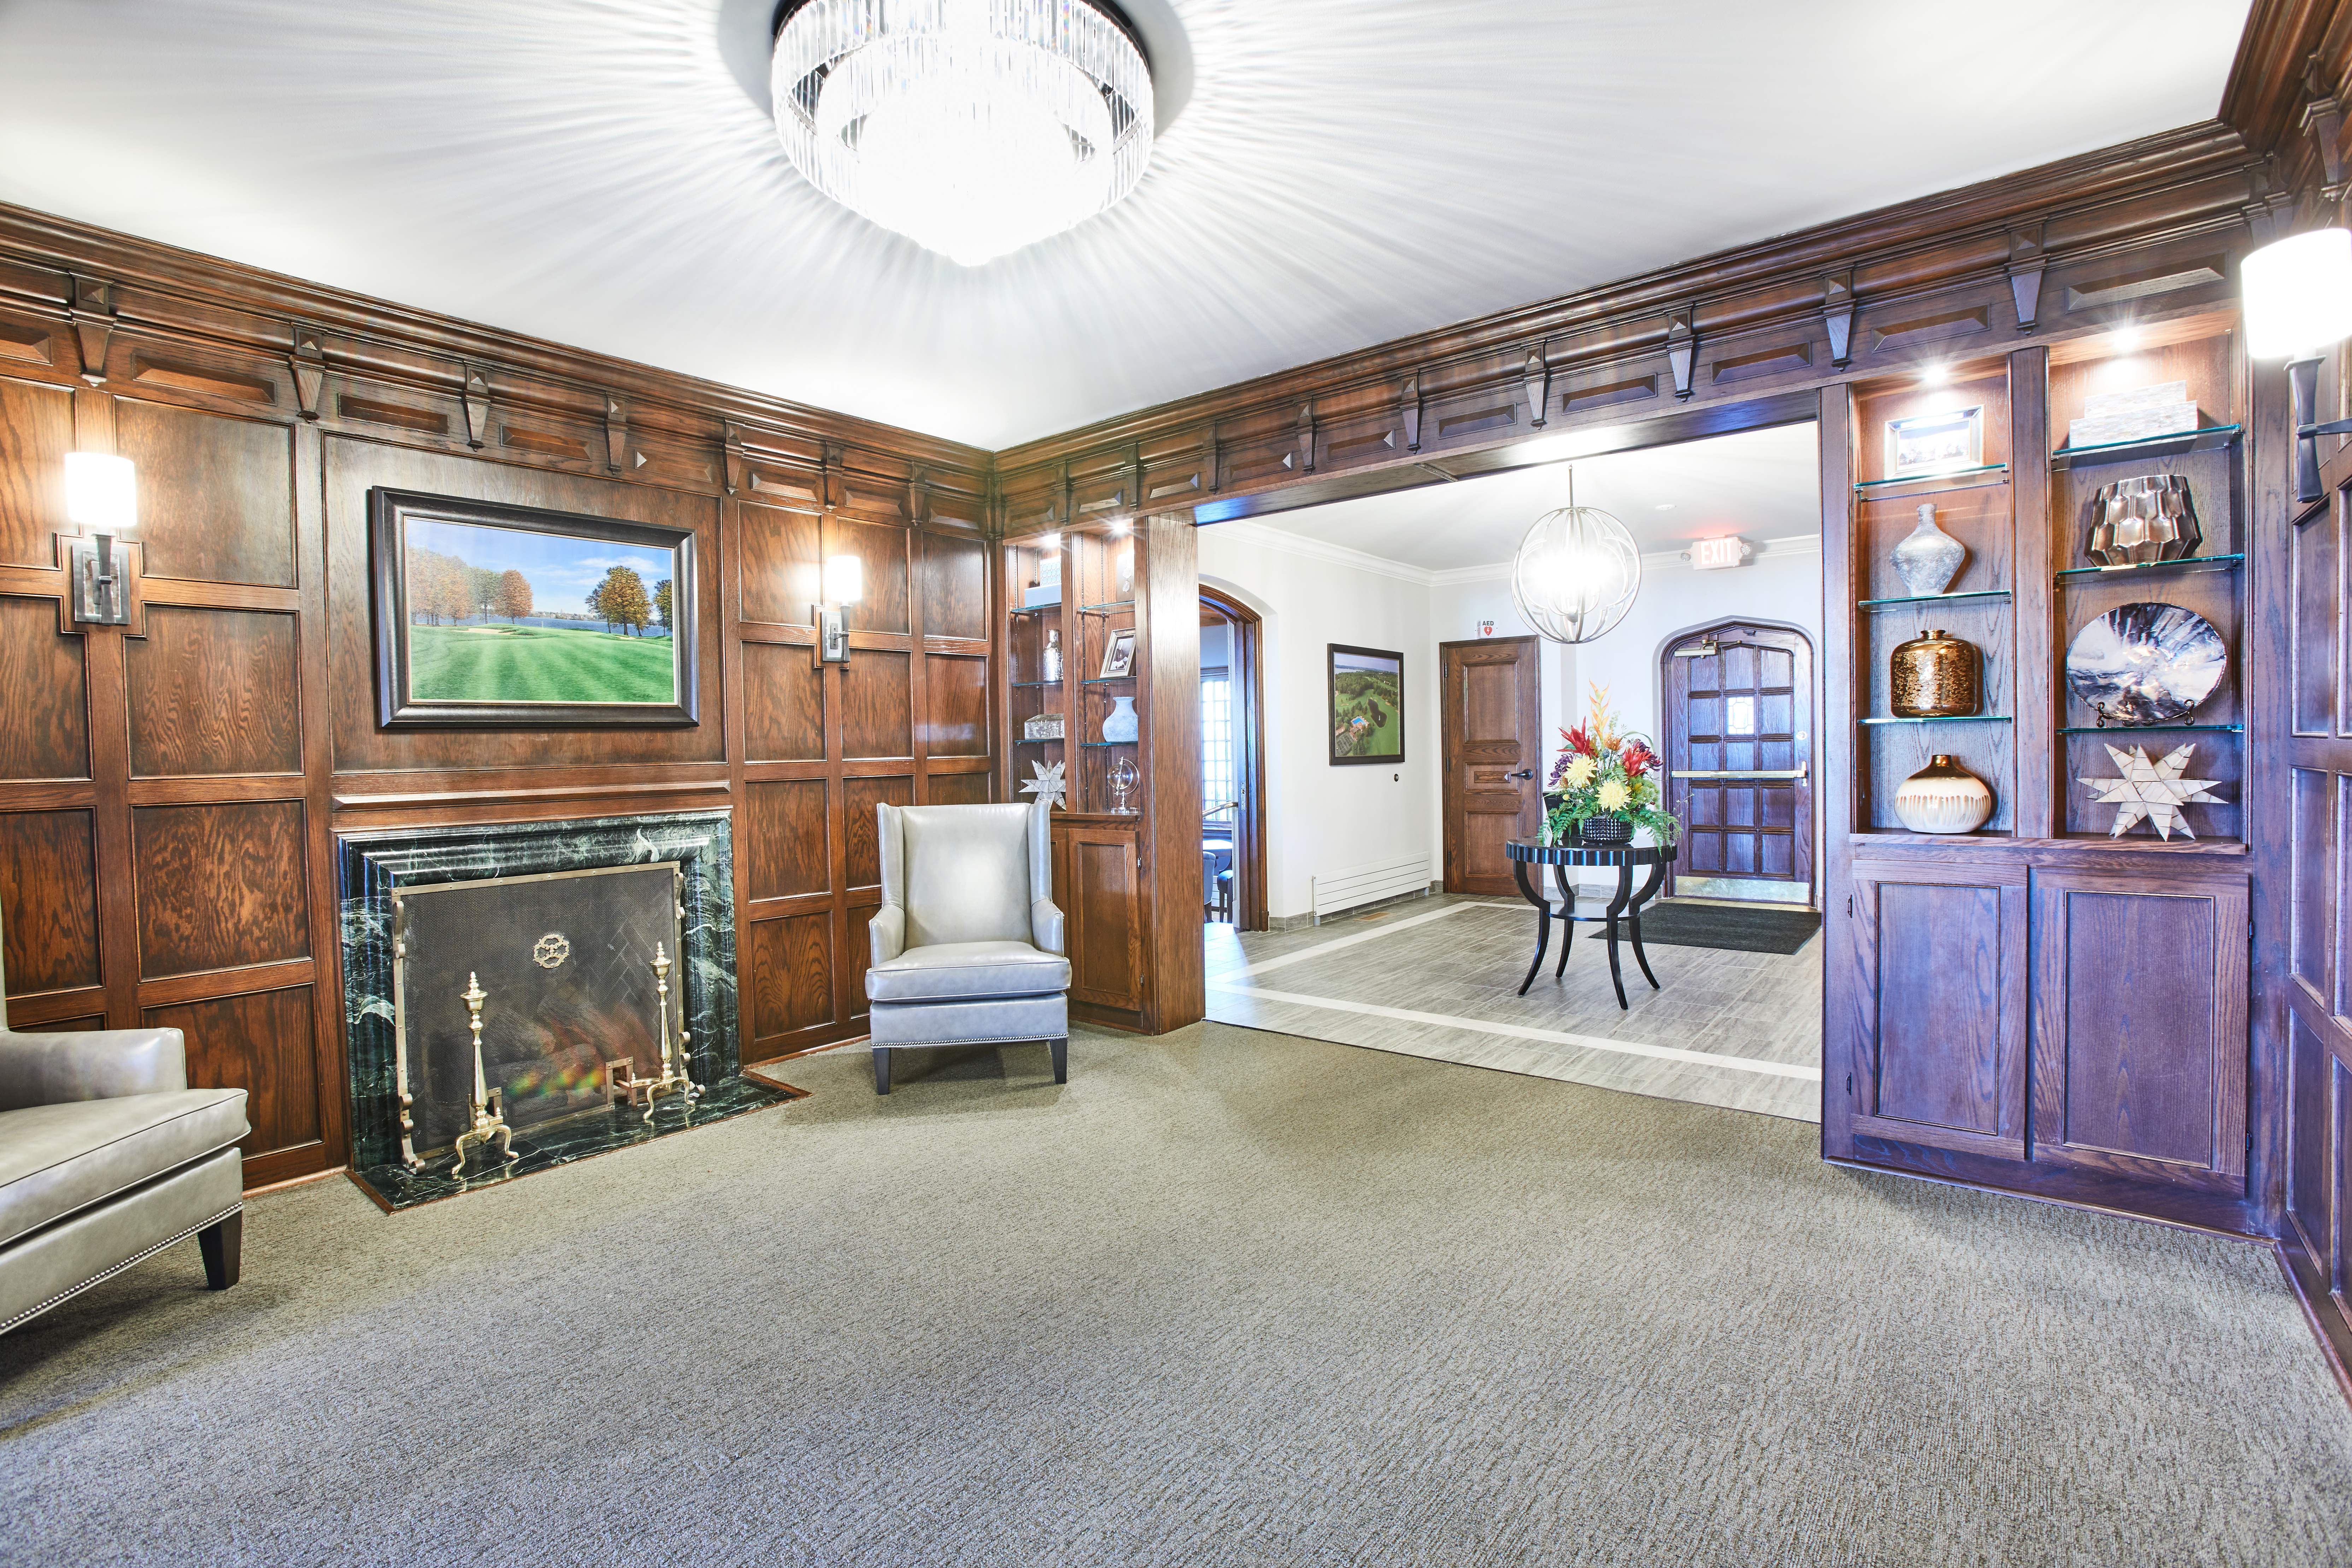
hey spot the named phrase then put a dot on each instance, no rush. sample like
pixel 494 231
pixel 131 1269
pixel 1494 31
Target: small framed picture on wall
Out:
pixel 1367 720
pixel 1935 443
pixel 1118 656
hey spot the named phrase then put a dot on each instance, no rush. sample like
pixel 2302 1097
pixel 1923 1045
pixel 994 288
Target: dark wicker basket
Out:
pixel 1604 832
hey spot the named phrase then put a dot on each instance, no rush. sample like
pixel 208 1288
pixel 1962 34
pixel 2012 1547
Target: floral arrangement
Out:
pixel 1603 772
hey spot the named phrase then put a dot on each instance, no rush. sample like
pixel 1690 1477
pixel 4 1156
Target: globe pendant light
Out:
pixel 1575 573
pixel 972 127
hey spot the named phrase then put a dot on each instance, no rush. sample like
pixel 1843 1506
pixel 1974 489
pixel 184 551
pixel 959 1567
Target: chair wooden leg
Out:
pixel 881 1069
pixel 1061 1049
pixel 224 1249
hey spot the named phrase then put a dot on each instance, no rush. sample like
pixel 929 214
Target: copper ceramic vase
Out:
pixel 1943 798
pixel 1934 677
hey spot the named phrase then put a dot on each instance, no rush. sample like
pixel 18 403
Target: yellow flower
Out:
pixel 1581 770
pixel 1613 795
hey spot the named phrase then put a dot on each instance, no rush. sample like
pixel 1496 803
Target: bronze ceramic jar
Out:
pixel 1934 677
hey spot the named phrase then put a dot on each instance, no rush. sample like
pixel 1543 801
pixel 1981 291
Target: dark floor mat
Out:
pixel 1726 926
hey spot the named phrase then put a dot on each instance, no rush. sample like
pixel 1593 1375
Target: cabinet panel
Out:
pixel 2139 1032
pixel 1940 953
pixel 1102 894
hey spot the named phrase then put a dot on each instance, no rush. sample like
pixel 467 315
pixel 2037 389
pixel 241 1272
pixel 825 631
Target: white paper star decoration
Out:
pixel 2153 790
pixel 1048 784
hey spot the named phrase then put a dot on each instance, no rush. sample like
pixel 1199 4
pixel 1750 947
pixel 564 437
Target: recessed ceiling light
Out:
pixel 1936 376
pixel 2124 339
pixel 1666 506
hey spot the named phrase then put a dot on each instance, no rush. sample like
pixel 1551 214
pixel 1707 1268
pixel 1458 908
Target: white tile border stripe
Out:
pixel 1320 948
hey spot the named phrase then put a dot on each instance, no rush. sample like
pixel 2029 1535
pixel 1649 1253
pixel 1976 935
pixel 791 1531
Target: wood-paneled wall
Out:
pixel 169 798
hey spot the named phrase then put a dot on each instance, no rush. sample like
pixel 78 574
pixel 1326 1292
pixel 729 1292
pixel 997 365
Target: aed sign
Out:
pixel 1712 554
pixel 1485 628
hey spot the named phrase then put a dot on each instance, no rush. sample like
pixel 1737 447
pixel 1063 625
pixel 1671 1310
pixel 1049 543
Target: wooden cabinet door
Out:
pixel 1097 883
pixel 2139 1026
pixel 1939 1042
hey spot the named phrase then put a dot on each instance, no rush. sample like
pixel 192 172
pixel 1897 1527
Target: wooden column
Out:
pixel 1168 615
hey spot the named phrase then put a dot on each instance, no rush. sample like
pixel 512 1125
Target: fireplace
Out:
pixel 520 995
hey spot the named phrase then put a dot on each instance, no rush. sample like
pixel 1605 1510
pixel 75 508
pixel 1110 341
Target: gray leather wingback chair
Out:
pixel 968 945
pixel 107 1156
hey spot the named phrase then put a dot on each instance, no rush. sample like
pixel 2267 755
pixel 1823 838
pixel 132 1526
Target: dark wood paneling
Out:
pixel 783 703
pixel 261 1043
pixel 791 976
pixel 219 886
pixel 44 711
pixel 36 434
pixel 216 495
pixel 955 587
pixel 786 839
pixel 1168 614
pixel 876 706
pixel 214 692
pixel 882 552
pixel 780 566
pixel 959 703
pixel 1103 889
pixel 861 828
pixel 958 789
pixel 49 901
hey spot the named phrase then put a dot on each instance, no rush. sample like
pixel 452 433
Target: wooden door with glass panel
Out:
pixel 1737 700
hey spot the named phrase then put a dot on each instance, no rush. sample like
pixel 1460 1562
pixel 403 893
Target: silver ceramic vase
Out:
pixel 1929 558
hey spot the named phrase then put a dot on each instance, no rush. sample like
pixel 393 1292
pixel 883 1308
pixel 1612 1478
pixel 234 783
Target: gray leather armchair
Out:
pixel 107 1156
pixel 968 946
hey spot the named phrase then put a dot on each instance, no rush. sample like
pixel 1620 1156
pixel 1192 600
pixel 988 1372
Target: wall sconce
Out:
pixel 844 584
pixel 2298 294
pixel 101 501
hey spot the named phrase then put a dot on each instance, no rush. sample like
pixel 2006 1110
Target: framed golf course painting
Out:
pixel 504 616
pixel 1367 705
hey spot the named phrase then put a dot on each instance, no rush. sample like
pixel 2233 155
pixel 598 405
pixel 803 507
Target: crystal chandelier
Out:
pixel 1575 573
pixel 972 127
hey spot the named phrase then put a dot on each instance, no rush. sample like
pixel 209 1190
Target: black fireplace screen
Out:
pixel 566 965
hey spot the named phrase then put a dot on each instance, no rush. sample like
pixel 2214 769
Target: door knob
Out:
pixel 1522 773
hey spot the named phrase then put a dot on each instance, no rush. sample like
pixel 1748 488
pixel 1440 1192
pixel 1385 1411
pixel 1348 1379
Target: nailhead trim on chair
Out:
pixel 31 1313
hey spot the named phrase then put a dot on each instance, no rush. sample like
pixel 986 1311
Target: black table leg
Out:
pixel 1566 916
pixel 1649 891
pixel 1624 892
pixel 1543 923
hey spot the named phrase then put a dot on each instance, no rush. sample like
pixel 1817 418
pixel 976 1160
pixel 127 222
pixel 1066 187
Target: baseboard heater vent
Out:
pixel 1351 885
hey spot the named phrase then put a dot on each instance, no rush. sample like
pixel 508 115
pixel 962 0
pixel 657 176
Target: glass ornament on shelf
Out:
pixel 1927 558
pixel 1577 572
pixel 1124 777
pixel 1053 660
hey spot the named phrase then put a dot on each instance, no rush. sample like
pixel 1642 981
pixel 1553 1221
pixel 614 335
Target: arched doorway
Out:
pixel 1735 719
pixel 1233 767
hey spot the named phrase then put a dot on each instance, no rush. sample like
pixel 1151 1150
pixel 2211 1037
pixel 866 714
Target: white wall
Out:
pixel 1320 818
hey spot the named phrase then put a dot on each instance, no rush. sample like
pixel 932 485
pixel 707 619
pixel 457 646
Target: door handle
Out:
pixel 1739 774
pixel 1522 773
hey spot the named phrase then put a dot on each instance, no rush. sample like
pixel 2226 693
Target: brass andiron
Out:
pixel 488 1104
pixel 621 1080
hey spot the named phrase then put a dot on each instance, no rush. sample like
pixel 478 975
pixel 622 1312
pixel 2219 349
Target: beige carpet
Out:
pixel 1228 1297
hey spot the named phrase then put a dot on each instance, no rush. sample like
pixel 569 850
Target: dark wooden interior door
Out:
pixel 1737 710
pixel 1491 699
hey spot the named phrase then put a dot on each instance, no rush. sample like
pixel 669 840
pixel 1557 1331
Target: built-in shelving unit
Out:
pixel 2212 438
pixel 1095 568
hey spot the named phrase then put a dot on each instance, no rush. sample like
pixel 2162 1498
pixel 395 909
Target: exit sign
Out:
pixel 1711 554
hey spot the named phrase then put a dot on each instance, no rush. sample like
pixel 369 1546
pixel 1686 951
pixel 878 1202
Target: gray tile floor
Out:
pixel 1437 978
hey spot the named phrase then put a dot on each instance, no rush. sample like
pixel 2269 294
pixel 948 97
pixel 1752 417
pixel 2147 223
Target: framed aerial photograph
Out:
pixel 1935 443
pixel 1367 705
pixel 504 616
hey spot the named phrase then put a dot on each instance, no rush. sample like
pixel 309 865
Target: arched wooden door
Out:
pixel 1737 700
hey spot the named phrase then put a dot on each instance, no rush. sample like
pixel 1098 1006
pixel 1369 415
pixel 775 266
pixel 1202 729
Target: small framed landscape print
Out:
pixel 503 616
pixel 1367 705
pixel 1118 655
pixel 1935 443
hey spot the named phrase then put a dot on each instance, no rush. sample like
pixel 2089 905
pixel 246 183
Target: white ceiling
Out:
pixel 1758 484
pixel 1344 172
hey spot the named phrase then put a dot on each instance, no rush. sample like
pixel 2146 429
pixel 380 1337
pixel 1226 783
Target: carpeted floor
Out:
pixel 1228 1297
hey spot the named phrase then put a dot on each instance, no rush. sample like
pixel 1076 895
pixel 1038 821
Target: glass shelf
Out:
pixel 1107 607
pixel 1943 480
pixel 1931 599
pixel 1954 719
pixel 2144 729
pixel 2211 440
pixel 2187 563
pixel 1104 745
pixel 1106 680
pixel 1021 685
pixel 1030 609
pixel 1037 740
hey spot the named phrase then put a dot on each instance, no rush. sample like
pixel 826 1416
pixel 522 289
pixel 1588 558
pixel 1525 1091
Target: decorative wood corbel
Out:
pixel 309 363
pixel 918 495
pixel 616 433
pixel 2268 206
pixel 1682 347
pixel 93 325
pixel 2025 268
pixel 1307 437
pixel 1214 449
pixel 828 461
pixel 1409 406
pixel 735 459
pixel 1837 315
pixel 1538 376
pixel 2323 121
pixel 476 398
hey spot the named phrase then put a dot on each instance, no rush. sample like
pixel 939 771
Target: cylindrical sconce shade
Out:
pixel 101 492
pixel 2298 294
pixel 845 581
